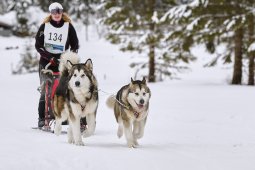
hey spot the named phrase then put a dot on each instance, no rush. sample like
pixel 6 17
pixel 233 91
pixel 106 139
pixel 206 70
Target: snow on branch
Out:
pixel 251 47
pixel 176 13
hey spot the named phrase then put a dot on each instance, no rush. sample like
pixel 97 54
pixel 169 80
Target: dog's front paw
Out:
pixel 138 135
pixel 57 130
pixel 87 133
pixel 79 143
pixel 70 140
pixel 120 132
pixel 131 145
pixel 135 143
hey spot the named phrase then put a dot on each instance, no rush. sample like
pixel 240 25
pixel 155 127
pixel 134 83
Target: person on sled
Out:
pixel 55 35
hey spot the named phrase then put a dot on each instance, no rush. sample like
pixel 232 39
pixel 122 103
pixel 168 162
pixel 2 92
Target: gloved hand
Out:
pixel 54 61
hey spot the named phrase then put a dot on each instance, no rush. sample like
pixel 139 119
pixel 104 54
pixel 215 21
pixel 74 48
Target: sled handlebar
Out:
pixel 47 66
pixel 46 70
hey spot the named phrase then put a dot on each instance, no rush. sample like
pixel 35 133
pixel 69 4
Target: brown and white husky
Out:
pixel 131 106
pixel 76 97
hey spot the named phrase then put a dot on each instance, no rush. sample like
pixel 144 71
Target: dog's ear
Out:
pixel 132 81
pixel 144 81
pixel 89 64
pixel 69 64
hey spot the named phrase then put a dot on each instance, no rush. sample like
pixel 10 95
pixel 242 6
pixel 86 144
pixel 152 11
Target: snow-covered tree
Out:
pixel 215 22
pixel 45 4
pixel 136 25
pixel 29 60
pixel 3 6
pixel 22 28
pixel 82 11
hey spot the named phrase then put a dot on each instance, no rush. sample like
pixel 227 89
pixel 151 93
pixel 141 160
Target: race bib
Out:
pixel 55 38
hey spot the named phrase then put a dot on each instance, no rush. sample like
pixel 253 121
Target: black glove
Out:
pixel 54 61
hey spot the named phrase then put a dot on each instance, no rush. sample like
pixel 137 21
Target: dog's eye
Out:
pixel 136 94
pixel 75 75
pixel 83 75
pixel 144 94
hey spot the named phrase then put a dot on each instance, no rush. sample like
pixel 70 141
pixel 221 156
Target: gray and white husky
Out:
pixel 131 106
pixel 75 97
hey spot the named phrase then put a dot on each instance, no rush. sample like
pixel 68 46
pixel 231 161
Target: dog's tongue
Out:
pixel 140 106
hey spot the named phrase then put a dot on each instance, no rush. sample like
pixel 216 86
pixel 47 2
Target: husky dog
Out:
pixel 131 106
pixel 75 97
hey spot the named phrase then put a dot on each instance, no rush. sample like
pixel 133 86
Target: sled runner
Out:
pixel 51 127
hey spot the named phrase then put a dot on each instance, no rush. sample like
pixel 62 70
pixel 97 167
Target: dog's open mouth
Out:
pixel 140 106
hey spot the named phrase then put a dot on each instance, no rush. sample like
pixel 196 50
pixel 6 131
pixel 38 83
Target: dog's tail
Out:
pixel 65 60
pixel 110 102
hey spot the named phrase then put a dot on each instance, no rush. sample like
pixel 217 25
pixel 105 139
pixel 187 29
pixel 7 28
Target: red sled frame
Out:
pixel 51 81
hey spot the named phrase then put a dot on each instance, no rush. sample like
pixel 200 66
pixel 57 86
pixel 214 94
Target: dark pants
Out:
pixel 41 107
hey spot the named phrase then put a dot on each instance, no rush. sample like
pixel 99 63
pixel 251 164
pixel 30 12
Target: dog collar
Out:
pixel 136 114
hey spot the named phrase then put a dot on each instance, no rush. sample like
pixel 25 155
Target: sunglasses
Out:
pixel 56 11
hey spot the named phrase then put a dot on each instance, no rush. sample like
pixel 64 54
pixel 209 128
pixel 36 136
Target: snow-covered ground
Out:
pixel 196 123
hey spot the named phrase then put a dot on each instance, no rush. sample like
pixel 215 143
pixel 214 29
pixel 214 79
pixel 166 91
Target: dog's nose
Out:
pixel 77 83
pixel 141 101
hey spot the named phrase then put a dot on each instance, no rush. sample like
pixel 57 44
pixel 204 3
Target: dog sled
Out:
pixel 49 85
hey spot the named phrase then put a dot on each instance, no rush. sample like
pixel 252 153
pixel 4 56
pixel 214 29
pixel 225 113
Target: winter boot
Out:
pixel 40 122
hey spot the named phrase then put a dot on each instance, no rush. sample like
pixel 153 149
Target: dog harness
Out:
pixel 136 114
pixel 76 101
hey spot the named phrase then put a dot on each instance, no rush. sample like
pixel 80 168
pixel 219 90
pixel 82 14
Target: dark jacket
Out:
pixel 72 42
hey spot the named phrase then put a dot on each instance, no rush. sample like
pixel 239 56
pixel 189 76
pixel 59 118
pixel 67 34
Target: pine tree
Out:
pixel 3 6
pixel 251 40
pixel 22 28
pixel 29 61
pixel 251 53
pixel 45 4
pixel 83 10
pixel 224 22
pixel 136 26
